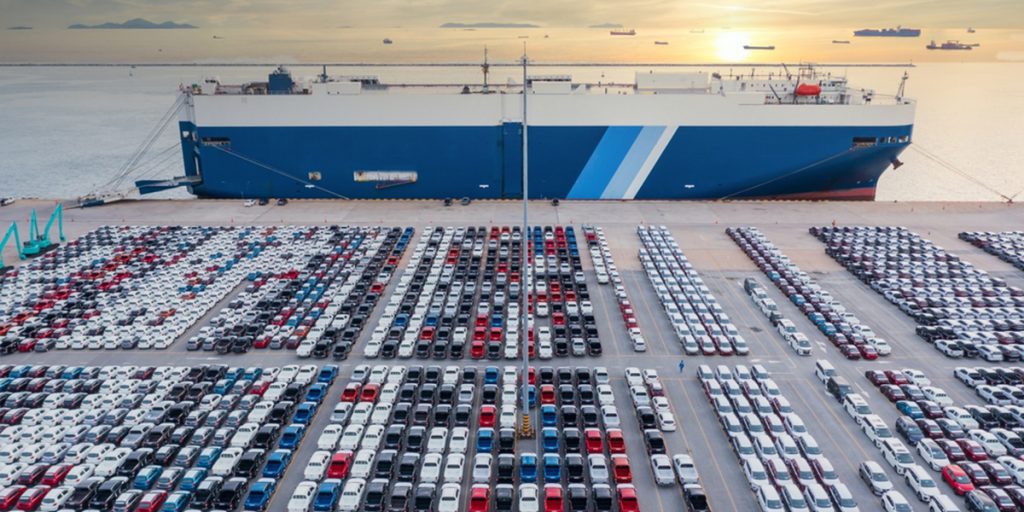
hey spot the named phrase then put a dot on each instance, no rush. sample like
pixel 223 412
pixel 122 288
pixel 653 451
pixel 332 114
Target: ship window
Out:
pixel 217 141
pixel 864 141
pixel 314 176
pixel 904 139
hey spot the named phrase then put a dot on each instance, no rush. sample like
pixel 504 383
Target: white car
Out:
pixel 993 447
pixel 454 467
pixel 317 465
pixel 893 501
pixel 932 454
pixel 79 474
pixel 459 442
pixel 529 498
pixel 352 495
pixel 507 417
pixel 350 438
pixel 302 497
pixel 937 395
pixel 449 498
pixel 967 376
pixel 430 468
pixel 663 472
pixel 437 441
pixel 921 483
pixel 330 436
pixel 610 416
pixel 897 455
pixel 226 462
pixel 113 459
pixel 686 470
pixel 666 421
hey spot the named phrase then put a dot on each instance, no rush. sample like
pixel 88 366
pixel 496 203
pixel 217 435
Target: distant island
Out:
pixel 488 24
pixel 19 27
pixel 606 25
pixel 134 24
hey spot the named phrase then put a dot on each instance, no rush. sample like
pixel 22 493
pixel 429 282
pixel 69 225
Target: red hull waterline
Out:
pixel 850 194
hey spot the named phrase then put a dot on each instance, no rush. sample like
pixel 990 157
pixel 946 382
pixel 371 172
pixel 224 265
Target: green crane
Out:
pixel 11 232
pixel 38 242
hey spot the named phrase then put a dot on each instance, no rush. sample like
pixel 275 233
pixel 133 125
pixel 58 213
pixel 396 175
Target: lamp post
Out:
pixel 526 427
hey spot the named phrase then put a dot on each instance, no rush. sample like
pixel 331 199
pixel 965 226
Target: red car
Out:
pixel 476 349
pixel 553 498
pixel 972 449
pixel 152 501
pixel 868 352
pixel 351 392
pixel 31 498
pixel 369 393
pixel 893 392
pixel 594 441
pixel 480 498
pixel 930 428
pixel 957 478
pixel 55 475
pixel 488 415
pixel 996 472
pixel 897 377
pixel 340 462
pixel 953 450
pixel 547 394
pixel 977 475
pixel 621 470
pixel 1003 500
pixel 616 441
pixel 9 496
pixel 259 387
pixel 32 474
pixel 627 499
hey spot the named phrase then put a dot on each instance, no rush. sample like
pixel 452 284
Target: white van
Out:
pixel 768 499
pixel 921 483
pixel 1015 466
pixel 823 370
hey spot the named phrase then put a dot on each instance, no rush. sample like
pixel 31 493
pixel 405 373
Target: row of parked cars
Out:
pixel 653 411
pixel 151 439
pixel 962 310
pixel 782 461
pixel 697 318
pixel 461 293
pixel 314 297
pixel 1007 245
pixel 444 439
pixel 796 340
pixel 975 448
pixel 124 287
pixel 607 272
pixel 852 337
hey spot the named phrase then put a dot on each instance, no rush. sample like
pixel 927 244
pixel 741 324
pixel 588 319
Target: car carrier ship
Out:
pixel 674 135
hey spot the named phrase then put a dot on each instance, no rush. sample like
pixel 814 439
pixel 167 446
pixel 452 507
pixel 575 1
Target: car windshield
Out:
pixel 904 458
pixel 879 477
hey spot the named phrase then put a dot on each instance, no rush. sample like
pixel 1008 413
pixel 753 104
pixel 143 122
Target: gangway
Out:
pixel 12 232
pixel 39 243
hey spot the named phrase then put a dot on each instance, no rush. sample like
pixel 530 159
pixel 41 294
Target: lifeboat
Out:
pixel 808 90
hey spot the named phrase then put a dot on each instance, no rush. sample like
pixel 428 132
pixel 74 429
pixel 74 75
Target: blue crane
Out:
pixel 11 232
pixel 39 242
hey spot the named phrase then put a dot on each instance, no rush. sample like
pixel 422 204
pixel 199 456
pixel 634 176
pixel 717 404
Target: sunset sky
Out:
pixel 343 30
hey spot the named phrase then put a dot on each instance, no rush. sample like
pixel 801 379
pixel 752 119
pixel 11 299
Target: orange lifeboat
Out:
pixel 808 90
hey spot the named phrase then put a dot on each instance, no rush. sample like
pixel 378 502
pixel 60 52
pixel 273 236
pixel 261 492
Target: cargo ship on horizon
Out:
pixel 682 135
pixel 888 32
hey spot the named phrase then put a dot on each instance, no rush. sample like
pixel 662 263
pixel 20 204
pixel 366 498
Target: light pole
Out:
pixel 526 427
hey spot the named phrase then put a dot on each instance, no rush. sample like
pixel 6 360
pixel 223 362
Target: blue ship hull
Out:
pixel 567 162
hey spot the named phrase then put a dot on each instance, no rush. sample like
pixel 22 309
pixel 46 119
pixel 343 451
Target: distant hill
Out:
pixel 134 23
pixel 488 24
pixel 607 25
pixel 19 27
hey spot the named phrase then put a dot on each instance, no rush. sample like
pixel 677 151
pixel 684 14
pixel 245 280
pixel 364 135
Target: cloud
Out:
pixel 606 25
pixel 134 23
pixel 488 24
pixel 19 27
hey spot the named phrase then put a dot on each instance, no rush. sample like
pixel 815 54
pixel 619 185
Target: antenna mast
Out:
pixel 486 69
pixel 903 85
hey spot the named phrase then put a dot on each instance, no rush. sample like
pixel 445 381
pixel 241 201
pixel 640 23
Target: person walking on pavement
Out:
pixel 682 364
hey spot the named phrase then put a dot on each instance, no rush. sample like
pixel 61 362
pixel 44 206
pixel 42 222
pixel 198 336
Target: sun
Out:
pixel 729 46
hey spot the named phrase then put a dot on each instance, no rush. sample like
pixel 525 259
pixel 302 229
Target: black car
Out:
pixel 250 462
pixel 83 493
pixel 401 495
pixel 423 499
pixel 108 492
pixel 206 491
pixel 230 494
pixel 375 494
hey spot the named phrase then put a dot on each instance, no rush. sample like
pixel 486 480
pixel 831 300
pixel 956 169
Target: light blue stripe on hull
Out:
pixel 631 164
pixel 604 161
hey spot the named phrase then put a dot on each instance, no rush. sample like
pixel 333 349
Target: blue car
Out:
pixel 276 463
pixel 532 394
pixel 327 374
pixel 485 440
pixel 552 468
pixel 259 494
pixel 304 412
pixel 528 468
pixel 549 439
pixel 491 375
pixel 326 495
pixel 146 478
pixel 71 373
pixel 910 409
pixel 222 386
pixel 316 392
pixel 208 456
pixel 176 502
pixel 549 415
pixel 191 479
pixel 291 436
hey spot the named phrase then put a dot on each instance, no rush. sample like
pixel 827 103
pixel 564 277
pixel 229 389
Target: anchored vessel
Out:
pixel 888 32
pixel 950 45
pixel 688 135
